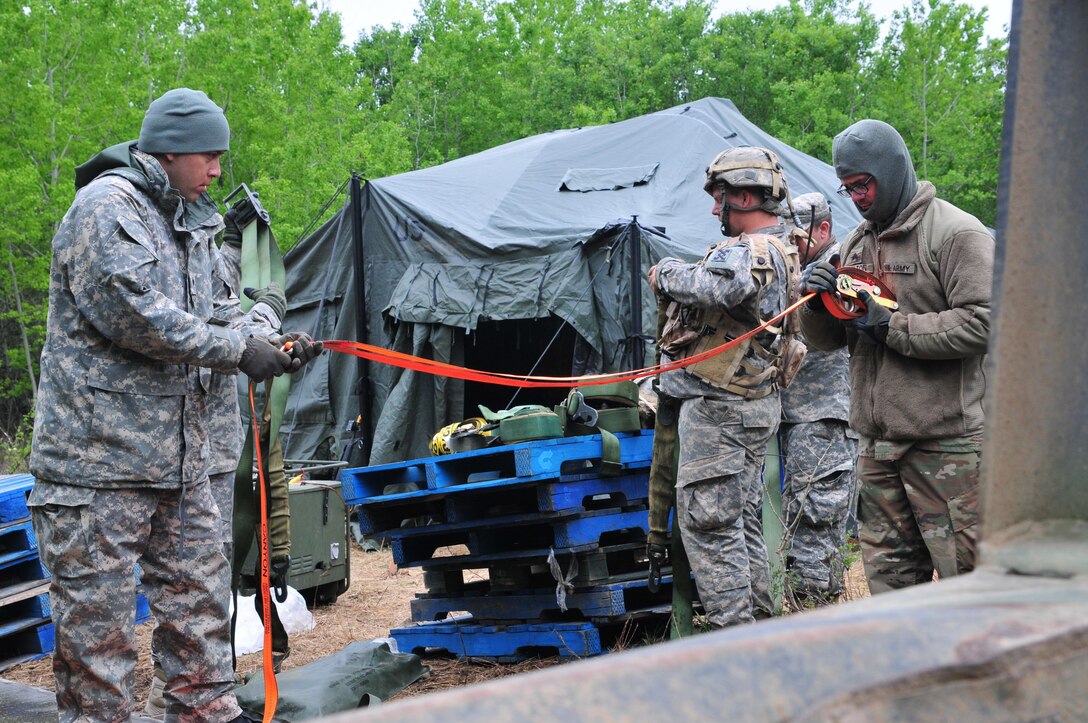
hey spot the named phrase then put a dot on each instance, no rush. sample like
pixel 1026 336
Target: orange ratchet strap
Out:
pixel 271 687
pixel 843 304
pixel 429 366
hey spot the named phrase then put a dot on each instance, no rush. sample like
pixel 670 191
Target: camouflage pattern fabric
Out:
pixel 821 389
pixel 818 453
pixel 724 281
pixel 127 359
pixel 719 503
pixel 89 540
pixel 723 438
pixel 818 490
pixel 918 513
pixel 121 428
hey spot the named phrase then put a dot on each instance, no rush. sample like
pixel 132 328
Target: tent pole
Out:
pixel 635 336
pixel 360 311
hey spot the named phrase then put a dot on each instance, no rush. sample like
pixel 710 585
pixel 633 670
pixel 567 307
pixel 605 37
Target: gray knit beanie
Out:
pixel 874 147
pixel 184 121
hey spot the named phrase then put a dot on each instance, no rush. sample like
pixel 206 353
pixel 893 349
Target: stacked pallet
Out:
pixel 563 545
pixel 26 632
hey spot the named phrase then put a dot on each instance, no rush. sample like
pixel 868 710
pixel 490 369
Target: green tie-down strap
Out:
pixel 262 264
pixel 666 453
pixel 604 410
pixel 528 425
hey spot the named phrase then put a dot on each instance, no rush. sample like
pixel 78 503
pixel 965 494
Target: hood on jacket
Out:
pixel 147 174
pixel 874 147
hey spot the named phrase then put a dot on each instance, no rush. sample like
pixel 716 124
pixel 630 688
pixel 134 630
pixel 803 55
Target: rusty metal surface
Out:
pixel 1035 458
pixel 985 646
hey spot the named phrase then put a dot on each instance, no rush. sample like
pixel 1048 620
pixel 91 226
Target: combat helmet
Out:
pixel 747 167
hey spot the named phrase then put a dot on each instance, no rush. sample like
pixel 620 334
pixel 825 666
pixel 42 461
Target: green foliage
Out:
pixel 15 446
pixel 306 109
pixel 943 89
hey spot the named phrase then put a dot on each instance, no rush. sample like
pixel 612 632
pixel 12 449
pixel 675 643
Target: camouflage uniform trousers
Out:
pixel 817 495
pixel 89 540
pixel 719 502
pixel 222 487
pixel 918 513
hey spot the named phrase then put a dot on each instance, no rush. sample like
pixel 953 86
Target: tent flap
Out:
pixel 607 179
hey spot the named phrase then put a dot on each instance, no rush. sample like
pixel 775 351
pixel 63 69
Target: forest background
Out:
pixel 308 108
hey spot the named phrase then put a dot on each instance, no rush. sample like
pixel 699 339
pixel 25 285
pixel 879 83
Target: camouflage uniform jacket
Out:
pixel 821 389
pixel 926 381
pixel 126 365
pixel 726 281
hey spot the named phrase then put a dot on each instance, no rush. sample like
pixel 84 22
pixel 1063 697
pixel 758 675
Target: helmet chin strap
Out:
pixel 723 215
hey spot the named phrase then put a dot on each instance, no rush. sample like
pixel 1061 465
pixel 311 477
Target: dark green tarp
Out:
pixel 361 674
pixel 550 225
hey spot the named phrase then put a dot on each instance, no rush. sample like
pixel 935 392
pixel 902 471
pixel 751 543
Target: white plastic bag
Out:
pixel 249 630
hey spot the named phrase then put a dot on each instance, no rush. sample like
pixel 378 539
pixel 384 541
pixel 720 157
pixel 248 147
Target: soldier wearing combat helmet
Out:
pixel 729 403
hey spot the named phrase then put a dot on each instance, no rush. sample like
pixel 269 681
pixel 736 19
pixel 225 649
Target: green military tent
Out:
pixel 530 257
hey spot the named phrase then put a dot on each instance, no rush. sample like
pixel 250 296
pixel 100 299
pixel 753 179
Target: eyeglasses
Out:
pixel 856 189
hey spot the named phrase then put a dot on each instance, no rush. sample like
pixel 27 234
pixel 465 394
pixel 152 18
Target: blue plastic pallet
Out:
pixel 27 571
pixel 17 543
pixel 505 643
pixel 494 498
pixel 30 644
pixel 603 603
pixel 541 459
pixel 20 615
pixel 583 570
pixel 14 489
pixel 562 531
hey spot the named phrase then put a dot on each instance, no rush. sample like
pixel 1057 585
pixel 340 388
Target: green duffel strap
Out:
pixel 623 393
pixel 527 427
pixel 617 419
pixel 610 454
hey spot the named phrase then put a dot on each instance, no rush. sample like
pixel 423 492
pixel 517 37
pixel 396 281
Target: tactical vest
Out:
pixel 692 330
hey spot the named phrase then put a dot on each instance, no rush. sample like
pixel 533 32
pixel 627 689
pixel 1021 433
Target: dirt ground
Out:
pixel 377 600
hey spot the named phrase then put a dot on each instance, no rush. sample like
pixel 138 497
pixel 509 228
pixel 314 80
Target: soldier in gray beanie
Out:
pixel 184 121
pixel 139 317
pixel 916 371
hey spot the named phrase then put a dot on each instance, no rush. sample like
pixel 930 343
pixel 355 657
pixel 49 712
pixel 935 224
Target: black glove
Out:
pixel 303 348
pixel 271 295
pixel 657 556
pixel 232 232
pixel 875 322
pixel 817 278
pixel 235 219
pixel 263 360
pixel 278 568
pixel 820 276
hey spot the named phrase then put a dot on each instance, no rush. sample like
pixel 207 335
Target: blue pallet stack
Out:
pixel 26 632
pixel 563 544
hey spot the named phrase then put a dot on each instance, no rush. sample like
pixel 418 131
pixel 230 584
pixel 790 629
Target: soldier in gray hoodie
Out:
pixel 916 373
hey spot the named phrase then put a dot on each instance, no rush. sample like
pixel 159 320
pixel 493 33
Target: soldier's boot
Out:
pixel 156 704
